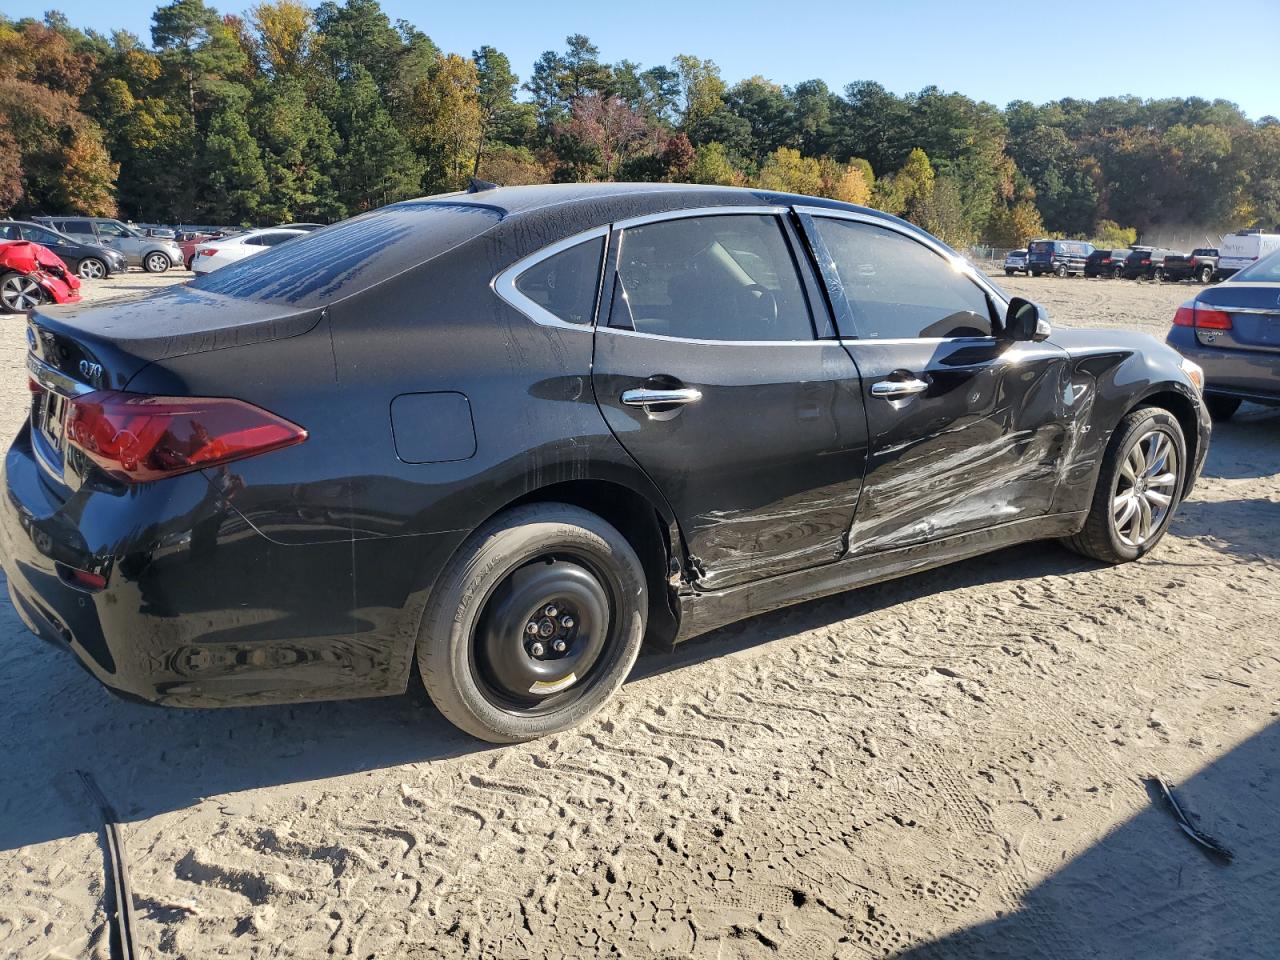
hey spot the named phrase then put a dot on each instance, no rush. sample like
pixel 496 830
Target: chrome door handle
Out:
pixel 644 397
pixel 891 389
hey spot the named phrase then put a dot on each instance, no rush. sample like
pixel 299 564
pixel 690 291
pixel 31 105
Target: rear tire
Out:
pixel 1206 274
pixel 1061 270
pixel 489 630
pixel 1221 408
pixel 1138 479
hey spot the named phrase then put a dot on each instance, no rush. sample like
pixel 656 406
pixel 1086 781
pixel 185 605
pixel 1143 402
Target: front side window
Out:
pixel 109 228
pixel 9 231
pixel 721 277
pixel 565 283
pixel 900 289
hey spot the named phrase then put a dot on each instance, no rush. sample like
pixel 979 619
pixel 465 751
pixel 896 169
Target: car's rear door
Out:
pixel 711 373
pixel 967 429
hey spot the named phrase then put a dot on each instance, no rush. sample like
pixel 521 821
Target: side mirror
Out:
pixel 1026 321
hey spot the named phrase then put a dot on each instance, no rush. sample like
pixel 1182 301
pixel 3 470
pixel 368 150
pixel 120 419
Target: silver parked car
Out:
pixel 153 254
pixel 1015 261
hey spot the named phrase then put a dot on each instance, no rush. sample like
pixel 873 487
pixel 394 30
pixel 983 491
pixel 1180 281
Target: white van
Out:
pixel 1238 250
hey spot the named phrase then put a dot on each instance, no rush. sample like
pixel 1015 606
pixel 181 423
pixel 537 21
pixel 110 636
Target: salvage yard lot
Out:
pixel 949 765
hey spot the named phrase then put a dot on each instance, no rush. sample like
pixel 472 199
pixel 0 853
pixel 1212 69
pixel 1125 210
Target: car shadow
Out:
pixel 1146 890
pixel 1026 562
pixel 1248 445
pixel 1243 528
pixel 150 760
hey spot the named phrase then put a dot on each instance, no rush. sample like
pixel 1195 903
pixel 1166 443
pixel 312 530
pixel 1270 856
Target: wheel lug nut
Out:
pixel 558 646
pixel 551 610
pixel 537 649
pixel 530 628
pixel 566 622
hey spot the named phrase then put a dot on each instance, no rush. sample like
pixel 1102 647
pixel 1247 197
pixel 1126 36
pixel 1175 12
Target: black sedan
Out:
pixel 90 261
pixel 514 432
pixel 1232 330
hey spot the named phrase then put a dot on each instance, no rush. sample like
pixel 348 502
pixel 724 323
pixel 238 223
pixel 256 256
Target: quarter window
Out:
pixel 722 277
pixel 898 288
pixel 565 283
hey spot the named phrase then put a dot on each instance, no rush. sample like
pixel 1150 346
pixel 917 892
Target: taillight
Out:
pixel 206 252
pixel 1193 314
pixel 137 438
pixel 1146 262
pixel 1212 319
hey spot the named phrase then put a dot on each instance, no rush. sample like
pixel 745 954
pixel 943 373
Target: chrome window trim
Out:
pixel 504 284
pixel 621 332
pixel 55 380
pixel 958 263
pixel 690 213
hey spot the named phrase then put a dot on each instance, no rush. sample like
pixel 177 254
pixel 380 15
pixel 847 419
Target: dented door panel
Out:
pixel 982 445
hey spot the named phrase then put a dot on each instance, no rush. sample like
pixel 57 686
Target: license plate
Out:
pixel 48 416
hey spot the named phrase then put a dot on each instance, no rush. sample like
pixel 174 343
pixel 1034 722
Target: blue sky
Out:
pixel 1020 49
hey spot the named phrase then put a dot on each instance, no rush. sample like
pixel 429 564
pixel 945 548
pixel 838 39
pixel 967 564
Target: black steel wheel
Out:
pixel 533 624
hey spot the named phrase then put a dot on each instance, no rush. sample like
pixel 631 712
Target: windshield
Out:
pixel 325 265
pixel 1266 270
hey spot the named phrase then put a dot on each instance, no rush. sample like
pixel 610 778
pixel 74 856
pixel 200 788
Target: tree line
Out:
pixel 290 112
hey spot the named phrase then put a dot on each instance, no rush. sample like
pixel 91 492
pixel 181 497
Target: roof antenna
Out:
pixel 476 185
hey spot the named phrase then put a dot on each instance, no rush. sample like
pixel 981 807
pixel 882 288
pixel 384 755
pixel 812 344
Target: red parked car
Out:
pixel 31 274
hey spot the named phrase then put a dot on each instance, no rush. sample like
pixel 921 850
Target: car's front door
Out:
pixel 710 372
pixel 967 429
pixel 117 235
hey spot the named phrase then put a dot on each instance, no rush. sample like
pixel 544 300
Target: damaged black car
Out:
pixel 510 434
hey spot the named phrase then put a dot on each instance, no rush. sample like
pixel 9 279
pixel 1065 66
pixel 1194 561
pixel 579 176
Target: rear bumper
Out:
pixel 199 608
pixel 1248 374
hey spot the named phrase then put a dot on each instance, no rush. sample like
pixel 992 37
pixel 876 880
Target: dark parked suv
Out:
pixel 511 433
pixel 1146 263
pixel 1062 258
pixel 1105 263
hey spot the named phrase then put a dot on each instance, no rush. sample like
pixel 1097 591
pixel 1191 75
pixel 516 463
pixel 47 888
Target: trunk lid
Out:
pixel 78 350
pixel 104 345
pixel 1254 309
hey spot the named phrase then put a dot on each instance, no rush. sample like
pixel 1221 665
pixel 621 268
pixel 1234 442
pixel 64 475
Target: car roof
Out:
pixel 603 202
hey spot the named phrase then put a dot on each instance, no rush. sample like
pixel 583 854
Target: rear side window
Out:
pixel 900 289
pixel 565 283
pixel 348 257
pixel 77 226
pixel 726 277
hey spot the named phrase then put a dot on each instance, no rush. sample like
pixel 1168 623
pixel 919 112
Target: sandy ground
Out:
pixel 947 766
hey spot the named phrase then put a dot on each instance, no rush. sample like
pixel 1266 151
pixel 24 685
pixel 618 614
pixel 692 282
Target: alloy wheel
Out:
pixel 157 263
pixel 1145 488
pixel 20 294
pixel 91 269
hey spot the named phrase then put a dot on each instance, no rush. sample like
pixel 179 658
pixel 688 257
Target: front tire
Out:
pixel 19 293
pixel 533 624
pixel 91 268
pixel 156 263
pixel 1139 488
